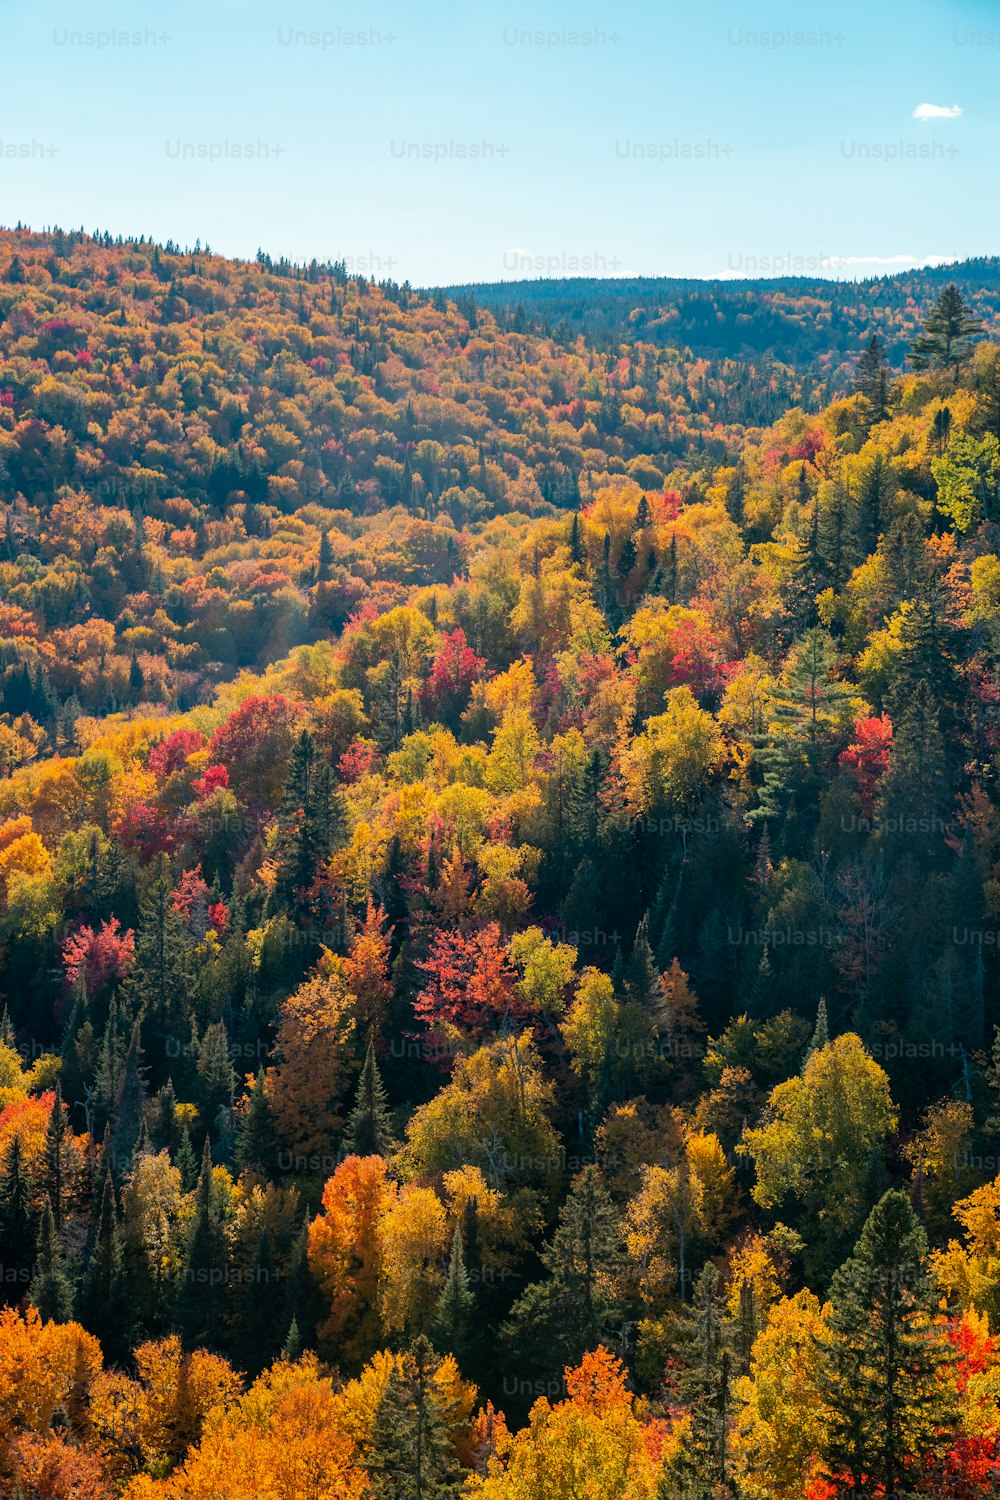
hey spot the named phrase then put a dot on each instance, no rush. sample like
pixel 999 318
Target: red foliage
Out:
pixel 470 983
pixel 868 756
pixel 191 900
pixel 143 826
pixel 255 743
pixel 171 753
pixel 695 657
pixel 98 958
pixel 356 761
pixel 212 779
pixel 456 667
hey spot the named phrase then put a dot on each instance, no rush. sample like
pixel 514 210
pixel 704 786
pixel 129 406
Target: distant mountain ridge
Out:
pixel 808 323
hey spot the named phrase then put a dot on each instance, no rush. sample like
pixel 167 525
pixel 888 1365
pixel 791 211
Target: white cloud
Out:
pixel 891 260
pixel 937 111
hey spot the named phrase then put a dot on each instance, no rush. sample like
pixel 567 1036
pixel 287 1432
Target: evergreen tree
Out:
pixel 51 1292
pixel 453 1320
pixel 17 1235
pixel 642 978
pixel 305 820
pixel 410 1454
pixel 103 1299
pixel 255 1132
pixel 883 1358
pixel 705 1388
pixel 948 333
pixel 130 1104
pixel 56 1155
pixel 369 1128
pixel 556 1321
pixel 325 565
pixel 161 979
pixel 202 1294
pixel 185 1161
pixel 871 380
pixel 821 1032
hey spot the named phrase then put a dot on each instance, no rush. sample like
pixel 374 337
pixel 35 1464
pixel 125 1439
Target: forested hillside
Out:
pixel 499 900
pixel 814 325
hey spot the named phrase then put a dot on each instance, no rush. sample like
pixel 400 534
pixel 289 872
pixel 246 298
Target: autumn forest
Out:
pixel 499 886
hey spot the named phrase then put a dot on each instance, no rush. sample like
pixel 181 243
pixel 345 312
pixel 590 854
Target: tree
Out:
pixel 17 1236
pixel 948 333
pixel 453 1318
pixel 558 1320
pixel 819 1135
pixel 306 819
pixel 202 1291
pixel 104 1303
pixel 345 1252
pixel 871 381
pixel 595 1445
pixel 783 1420
pixel 369 1127
pixel 306 1084
pixel 884 1375
pixel 51 1291
pixel 410 1454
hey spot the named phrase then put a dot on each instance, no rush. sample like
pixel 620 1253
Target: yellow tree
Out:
pixel 313 1049
pixel 592 1446
pixel 820 1132
pixel 783 1419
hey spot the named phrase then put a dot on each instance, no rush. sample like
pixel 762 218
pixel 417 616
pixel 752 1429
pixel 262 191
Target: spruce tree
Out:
pixel 130 1103
pixel 17 1235
pixel 56 1150
pixel 871 380
pixel 51 1292
pixel 948 333
pixel 705 1387
pixel 103 1300
pixel 255 1132
pixel 202 1293
pixel 453 1319
pixel 883 1357
pixel 369 1129
pixel 410 1453
pixel 306 818
pixel 555 1322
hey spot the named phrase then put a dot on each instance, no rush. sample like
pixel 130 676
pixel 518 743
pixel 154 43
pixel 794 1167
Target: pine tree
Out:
pixel 51 1292
pixel 103 1300
pixel 410 1454
pixel 130 1103
pixel 324 568
pixel 453 1320
pixel 216 1075
pixel 305 821
pixel 185 1161
pixel 56 1154
pixel 871 381
pixel 202 1294
pixel 948 333
pixel 556 1321
pixel 369 1128
pixel 642 978
pixel 291 1349
pixel 255 1132
pixel 161 979
pixel 705 1387
pixel 821 1033
pixel 17 1235
pixel 883 1356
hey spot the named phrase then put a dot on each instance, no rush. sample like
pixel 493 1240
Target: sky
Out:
pixel 488 141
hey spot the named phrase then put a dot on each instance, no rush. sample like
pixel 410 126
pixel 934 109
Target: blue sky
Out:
pixel 447 142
